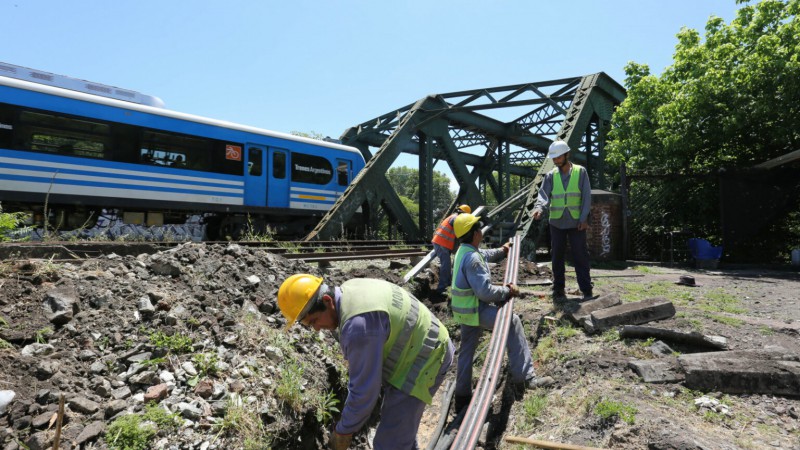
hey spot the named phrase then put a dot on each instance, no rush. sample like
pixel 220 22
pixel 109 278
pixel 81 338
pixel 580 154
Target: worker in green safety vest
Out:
pixel 567 193
pixel 475 302
pixel 388 338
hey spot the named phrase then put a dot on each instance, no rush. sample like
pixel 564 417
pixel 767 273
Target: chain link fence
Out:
pixel 664 211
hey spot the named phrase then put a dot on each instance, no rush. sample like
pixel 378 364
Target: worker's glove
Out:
pixel 340 441
pixel 513 290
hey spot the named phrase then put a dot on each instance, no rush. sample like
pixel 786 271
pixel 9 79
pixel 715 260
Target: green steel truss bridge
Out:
pixel 485 136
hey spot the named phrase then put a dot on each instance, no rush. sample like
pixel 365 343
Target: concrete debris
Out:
pixel 629 313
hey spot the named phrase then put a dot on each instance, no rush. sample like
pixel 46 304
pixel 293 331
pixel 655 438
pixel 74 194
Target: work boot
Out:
pixel 588 296
pixel 559 293
pixel 539 382
pixel 461 403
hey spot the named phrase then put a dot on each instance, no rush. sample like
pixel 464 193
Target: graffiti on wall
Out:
pixel 605 234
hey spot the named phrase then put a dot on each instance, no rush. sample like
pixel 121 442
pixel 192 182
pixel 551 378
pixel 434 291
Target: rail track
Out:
pixel 321 251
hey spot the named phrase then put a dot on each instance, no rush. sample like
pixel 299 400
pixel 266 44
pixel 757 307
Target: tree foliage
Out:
pixel 731 100
pixel 405 181
pixel 728 101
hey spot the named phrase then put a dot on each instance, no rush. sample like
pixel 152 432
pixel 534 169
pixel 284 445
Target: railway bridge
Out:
pixel 491 139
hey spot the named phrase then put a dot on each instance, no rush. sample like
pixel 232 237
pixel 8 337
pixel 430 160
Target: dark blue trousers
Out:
pixel 580 257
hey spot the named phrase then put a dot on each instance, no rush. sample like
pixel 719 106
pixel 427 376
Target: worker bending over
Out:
pixel 388 338
pixel 444 243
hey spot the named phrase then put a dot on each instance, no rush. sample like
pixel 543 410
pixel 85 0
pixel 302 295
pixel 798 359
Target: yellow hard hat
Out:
pixel 465 209
pixel 464 223
pixel 295 294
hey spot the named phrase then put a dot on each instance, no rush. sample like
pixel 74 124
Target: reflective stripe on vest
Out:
pixel 415 349
pixel 445 235
pixel 464 302
pixel 569 199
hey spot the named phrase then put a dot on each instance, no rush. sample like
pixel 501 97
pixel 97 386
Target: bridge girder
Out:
pixel 456 128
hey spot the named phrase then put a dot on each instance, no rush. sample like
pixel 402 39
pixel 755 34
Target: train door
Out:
pixel 255 177
pixel 278 195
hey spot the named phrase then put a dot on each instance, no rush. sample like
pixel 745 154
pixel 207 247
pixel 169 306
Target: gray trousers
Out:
pixel 401 413
pixel 580 257
pixel 519 354
pixel 445 267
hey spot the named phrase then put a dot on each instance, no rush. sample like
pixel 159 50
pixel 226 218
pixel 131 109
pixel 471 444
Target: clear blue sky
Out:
pixel 324 66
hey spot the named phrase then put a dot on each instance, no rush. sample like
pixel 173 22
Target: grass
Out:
pixel 130 433
pixel 176 343
pixel 289 386
pixel 766 331
pixel 608 409
pixel 244 427
pixel 533 406
pixel 732 321
pixel 635 291
pixel 720 301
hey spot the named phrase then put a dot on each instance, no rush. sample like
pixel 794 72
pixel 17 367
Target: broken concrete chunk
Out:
pixel 727 373
pixel 631 313
pixel 587 308
pixel 658 371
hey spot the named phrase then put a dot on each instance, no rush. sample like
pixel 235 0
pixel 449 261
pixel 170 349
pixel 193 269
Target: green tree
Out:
pixel 405 181
pixel 730 100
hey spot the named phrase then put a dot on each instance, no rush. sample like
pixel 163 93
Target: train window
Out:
pixel 65 135
pixel 343 173
pixel 174 150
pixel 47 141
pixel 279 165
pixel 311 169
pixel 6 126
pixel 162 158
pixel 254 162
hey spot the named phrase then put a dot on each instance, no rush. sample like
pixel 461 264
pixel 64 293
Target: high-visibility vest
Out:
pixel 463 301
pixel 569 199
pixel 445 235
pixel 417 344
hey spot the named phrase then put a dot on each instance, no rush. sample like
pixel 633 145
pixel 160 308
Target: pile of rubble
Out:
pixel 194 330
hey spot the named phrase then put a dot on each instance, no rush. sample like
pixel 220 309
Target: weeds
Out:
pixel 607 409
pixel 719 301
pixel 326 408
pixel 161 417
pixel 533 407
pixel 176 343
pixel 206 365
pixel 732 321
pixel 9 222
pixel 41 336
pixel 4 344
pixel 766 331
pixel 129 433
pixel 290 385
pixel 610 335
pixel 247 424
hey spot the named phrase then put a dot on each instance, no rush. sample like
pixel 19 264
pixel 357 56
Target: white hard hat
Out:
pixel 557 148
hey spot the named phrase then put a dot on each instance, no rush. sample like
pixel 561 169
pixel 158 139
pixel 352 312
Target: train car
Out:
pixel 71 148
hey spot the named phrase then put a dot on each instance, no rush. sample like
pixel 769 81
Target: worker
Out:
pixel 444 244
pixel 475 302
pixel 567 193
pixel 388 338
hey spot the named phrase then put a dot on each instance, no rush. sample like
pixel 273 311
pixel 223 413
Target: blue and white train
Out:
pixel 71 148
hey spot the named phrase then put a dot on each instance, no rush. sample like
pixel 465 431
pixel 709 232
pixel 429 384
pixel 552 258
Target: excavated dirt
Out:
pixel 94 331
